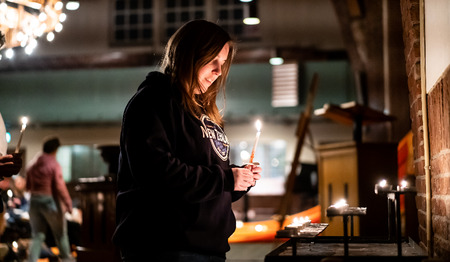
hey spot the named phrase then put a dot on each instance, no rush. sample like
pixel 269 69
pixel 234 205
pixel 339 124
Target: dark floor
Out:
pixel 251 252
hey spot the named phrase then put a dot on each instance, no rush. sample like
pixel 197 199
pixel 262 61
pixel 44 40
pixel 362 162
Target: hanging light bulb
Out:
pixel 25 20
pixel 251 14
pixel 62 17
pixel 72 5
pixel 50 36
pixel 20 36
pixel 59 5
pixel 42 16
pixel 29 50
pixel 58 27
pixel 9 53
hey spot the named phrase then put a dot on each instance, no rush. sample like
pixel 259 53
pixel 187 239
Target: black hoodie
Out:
pixel 175 183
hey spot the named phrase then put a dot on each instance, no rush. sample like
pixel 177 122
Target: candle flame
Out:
pixel 383 183
pixel 258 125
pixel 24 122
pixel 404 183
pixel 341 203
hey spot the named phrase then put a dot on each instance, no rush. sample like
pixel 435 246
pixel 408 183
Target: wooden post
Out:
pixel 302 127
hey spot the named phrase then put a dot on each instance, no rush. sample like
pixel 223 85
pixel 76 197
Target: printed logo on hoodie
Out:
pixel 216 136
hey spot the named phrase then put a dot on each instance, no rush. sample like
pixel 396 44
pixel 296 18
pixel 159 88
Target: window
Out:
pixel 285 85
pixel 133 22
pixel 153 22
pixel 230 14
pixel 81 161
pixel 178 12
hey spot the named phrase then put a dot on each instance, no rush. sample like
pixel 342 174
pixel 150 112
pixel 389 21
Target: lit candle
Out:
pixel 382 186
pixel 338 208
pixel 403 185
pixel 24 125
pixel 258 133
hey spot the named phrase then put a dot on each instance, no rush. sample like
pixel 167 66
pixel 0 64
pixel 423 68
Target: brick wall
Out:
pixel 439 134
pixel 439 127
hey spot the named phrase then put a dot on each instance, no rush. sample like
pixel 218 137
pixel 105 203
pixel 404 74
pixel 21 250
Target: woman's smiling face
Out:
pixel 211 71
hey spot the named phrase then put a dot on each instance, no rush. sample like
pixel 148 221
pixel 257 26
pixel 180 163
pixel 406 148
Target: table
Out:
pixel 308 233
pixel 346 213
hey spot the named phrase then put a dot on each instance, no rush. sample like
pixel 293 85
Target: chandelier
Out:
pixel 23 21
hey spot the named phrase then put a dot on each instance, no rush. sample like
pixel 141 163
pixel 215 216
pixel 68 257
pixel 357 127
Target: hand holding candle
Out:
pixel 258 133
pixel 24 125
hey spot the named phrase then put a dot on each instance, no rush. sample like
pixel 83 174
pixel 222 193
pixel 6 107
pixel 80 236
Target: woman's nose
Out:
pixel 217 69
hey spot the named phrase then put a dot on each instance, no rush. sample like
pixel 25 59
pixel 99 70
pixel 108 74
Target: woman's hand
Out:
pixel 243 178
pixel 10 164
pixel 256 170
pixel 246 177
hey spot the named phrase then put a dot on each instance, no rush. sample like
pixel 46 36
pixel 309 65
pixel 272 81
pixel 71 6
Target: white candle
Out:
pixel 258 133
pixel 24 125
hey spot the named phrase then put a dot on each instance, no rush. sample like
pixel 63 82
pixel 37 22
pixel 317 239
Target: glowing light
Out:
pixel 276 61
pixel 9 53
pixel 59 5
pixel 58 27
pixel 383 183
pixel 72 5
pixel 42 16
pixel 24 121
pixel 22 26
pixel 404 183
pixel 341 203
pixel 251 21
pixel 244 155
pixel 259 228
pixel 258 125
pixel 239 224
pixel 50 36
pixel 15 246
pixel 29 50
pixel 62 17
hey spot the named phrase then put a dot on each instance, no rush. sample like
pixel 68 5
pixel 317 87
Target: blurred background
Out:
pixel 76 77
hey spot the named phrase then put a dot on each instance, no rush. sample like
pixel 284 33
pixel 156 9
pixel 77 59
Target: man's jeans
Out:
pixel 45 213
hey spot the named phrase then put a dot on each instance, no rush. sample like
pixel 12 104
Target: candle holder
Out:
pixel 337 209
pixel 382 187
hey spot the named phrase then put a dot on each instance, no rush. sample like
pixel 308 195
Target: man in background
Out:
pixel 49 201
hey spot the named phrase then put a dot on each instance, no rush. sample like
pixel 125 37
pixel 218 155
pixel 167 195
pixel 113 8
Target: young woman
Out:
pixel 175 182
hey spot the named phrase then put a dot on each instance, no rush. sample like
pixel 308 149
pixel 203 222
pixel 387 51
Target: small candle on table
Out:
pixel 403 185
pixel 258 133
pixel 24 125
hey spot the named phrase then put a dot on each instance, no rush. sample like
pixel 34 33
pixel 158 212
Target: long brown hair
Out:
pixel 193 46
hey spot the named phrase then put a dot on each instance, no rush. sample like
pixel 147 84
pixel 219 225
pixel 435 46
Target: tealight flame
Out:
pixel 383 183
pixel 341 203
pixel 404 183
